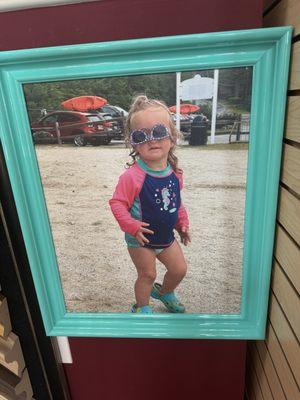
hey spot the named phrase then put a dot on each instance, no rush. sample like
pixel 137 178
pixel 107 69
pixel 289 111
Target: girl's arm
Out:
pixel 182 225
pixel 183 219
pixel 122 200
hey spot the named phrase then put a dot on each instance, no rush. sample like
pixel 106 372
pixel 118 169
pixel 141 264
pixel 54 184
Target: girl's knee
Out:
pixel 180 271
pixel 148 276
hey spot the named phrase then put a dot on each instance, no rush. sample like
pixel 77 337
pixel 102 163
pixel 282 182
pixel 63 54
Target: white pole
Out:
pixel 64 349
pixel 214 106
pixel 178 89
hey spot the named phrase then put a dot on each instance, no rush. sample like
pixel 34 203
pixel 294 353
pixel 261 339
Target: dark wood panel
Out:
pixel 294 83
pixel 290 171
pixel 292 127
pixel 287 298
pixel 269 3
pixel 254 389
pixel 270 371
pixel 286 12
pixel 260 373
pixel 289 213
pixel 287 253
pixel 281 366
pixel 285 336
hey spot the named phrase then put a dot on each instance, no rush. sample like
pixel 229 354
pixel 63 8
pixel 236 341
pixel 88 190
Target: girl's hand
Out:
pixel 184 235
pixel 140 234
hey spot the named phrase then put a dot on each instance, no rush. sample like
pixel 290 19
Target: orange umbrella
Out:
pixel 84 103
pixel 185 108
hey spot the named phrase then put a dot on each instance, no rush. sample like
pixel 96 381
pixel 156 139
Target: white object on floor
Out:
pixel 64 349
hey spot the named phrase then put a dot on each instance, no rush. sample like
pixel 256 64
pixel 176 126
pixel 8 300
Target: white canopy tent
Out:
pixel 198 88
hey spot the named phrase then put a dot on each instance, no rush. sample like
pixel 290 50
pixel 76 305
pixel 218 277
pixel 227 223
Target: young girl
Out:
pixel 147 205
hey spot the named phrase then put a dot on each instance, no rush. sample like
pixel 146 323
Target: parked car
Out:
pixel 77 127
pixel 122 111
pixel 114 124
pixel 118 115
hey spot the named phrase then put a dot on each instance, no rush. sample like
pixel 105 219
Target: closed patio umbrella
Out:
pixel 185 108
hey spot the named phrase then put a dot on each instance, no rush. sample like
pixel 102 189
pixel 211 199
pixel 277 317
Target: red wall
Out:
pixel 156 369
pixel 141 369
pixel 123 19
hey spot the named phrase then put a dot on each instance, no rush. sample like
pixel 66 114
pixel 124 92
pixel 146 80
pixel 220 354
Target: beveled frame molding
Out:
pixel 267 51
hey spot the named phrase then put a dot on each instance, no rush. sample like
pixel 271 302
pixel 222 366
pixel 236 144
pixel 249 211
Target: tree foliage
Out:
pixel 234 83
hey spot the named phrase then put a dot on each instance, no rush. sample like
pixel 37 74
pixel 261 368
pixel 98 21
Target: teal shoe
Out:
pixel 169 299
pixel 142 310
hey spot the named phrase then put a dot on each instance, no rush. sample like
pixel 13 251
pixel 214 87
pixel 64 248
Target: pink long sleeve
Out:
pixel 127 189
pixel 183 219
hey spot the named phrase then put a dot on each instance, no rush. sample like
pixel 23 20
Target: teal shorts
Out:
pixel 133 243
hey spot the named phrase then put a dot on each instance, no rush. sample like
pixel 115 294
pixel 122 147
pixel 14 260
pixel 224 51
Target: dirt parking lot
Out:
pixel 96 271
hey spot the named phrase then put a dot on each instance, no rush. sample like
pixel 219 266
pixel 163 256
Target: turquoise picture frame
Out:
pixel 267 51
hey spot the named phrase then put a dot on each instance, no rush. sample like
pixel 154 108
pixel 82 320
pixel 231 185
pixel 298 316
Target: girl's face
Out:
pixel 154 152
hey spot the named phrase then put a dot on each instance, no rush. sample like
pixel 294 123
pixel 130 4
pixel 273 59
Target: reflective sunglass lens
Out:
pixel 138 137
pixel 160 132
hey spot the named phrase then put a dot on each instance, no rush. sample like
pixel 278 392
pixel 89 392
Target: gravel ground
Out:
pixel 96 271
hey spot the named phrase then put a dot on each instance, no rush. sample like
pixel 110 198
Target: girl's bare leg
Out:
pixel 144 261
pixel 174 261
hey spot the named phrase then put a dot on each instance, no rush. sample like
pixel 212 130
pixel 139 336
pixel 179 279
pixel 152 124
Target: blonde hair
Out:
pixel 140 103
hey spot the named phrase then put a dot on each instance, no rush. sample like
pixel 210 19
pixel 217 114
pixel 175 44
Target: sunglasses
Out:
pixel 140 136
